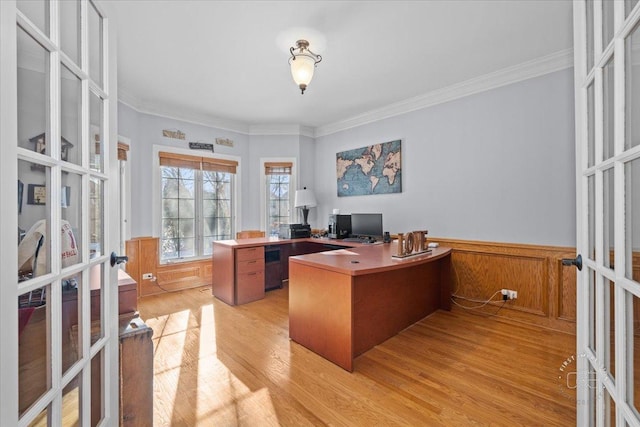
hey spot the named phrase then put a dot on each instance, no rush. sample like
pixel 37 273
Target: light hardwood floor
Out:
pixel 217 365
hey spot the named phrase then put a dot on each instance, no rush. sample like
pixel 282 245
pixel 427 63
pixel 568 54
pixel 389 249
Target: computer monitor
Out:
pixel 366 225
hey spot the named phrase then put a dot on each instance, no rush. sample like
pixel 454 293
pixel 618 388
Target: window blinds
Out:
pixel 193 162
pixel 277 168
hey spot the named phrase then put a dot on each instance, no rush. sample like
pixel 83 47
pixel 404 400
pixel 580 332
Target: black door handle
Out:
pixel 115 259
pixel 577 261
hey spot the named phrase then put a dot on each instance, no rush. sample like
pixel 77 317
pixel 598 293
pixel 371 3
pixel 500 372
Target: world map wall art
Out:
pixel 375 169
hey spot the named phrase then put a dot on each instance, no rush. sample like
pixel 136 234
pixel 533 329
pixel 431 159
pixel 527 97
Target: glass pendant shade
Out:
pixel 302 69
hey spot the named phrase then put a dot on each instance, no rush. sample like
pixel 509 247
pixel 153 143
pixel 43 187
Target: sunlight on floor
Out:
pixel 191 385
pixel 168 342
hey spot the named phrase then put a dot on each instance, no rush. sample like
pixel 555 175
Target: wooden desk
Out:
pixel 239 265
pixel 340 309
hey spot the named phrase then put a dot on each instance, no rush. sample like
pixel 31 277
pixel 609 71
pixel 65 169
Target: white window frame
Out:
pixel 157 200
pixel 263 188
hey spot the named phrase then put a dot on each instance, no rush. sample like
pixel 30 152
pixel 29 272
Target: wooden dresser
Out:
pixel 136 372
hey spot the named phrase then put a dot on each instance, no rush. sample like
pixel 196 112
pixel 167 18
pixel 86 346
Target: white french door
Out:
pixel 58 225
pixel 607 92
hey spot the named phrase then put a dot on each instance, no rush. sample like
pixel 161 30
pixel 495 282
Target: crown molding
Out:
pixel 170 113
pixel 527 70
pixel 267 129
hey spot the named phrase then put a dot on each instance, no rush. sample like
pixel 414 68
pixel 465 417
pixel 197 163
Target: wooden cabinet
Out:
pixel 238 274
pixel 242 271
pixel 249 274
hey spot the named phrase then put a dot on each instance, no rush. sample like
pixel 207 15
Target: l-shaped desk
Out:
pixel 344 298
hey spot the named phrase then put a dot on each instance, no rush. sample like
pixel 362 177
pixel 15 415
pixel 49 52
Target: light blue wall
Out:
pixel 265 146
pixel 494 166
pixel 145 131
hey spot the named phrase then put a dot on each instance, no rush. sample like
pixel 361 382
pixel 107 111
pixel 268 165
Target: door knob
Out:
pixel 570 261
pixel 115 259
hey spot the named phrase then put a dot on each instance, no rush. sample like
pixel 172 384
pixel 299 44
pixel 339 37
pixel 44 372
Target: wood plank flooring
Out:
pixel 235 366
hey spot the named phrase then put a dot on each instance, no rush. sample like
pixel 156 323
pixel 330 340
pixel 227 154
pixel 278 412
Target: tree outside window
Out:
pixel 278 195
pixel 197 204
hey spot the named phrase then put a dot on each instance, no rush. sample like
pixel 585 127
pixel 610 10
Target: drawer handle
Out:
pixel 252 274
pixel 252 262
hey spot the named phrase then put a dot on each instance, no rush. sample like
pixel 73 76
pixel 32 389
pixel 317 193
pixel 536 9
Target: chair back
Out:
pixel 247 234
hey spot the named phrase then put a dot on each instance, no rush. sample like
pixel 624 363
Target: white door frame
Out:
pixel 598 386
pixel 9 288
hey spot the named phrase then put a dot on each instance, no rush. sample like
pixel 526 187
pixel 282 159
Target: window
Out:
pixel 278 191
pixel 197 204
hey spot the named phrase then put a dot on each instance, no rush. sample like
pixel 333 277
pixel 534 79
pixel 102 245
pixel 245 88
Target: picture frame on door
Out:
pixel 37 194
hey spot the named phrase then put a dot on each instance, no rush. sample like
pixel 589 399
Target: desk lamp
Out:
pixel 305 199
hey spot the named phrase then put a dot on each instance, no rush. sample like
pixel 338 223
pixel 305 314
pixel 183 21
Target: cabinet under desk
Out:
pixel 244 269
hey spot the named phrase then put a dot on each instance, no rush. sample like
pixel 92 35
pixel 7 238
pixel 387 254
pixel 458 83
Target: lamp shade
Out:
pixel 302 68
pixel 305 198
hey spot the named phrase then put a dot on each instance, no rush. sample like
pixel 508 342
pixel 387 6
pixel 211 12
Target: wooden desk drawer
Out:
pixel 250 287
pixel 249 266
pixel 244 254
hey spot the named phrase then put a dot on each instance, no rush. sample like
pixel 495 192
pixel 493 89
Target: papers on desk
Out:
pixel 339 252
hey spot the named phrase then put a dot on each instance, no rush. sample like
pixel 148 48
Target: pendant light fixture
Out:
pixel 303 62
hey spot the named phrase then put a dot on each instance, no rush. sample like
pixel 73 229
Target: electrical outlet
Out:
pixel 509 294
pixel 147 276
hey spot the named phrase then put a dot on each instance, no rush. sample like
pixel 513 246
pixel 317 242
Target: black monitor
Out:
pixel 366 225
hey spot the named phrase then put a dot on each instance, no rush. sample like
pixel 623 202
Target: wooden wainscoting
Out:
pixel 143 256
pixel 546 289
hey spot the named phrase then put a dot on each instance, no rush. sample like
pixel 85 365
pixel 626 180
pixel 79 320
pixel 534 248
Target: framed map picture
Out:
pixel 375 169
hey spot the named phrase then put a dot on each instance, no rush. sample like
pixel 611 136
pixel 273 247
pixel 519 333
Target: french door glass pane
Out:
pixel 71 397
pixel 95 132
pixel 629 5
pixel 632 90
pixel 70 113
pixel 71 309
pixel 607 22
pixel 632 219
pixel 37 11
pixel 34 248
pixel 33 97
pixel 608 110
pixel 42 419
pixel 609 235
pixel 95 46
pixel 609 331
pixel 591 137
pixel 591 213
pixel 610 407
pixel 34 357
pixel 591 274
pixel 590 36
pixel 633 390
pixel 96 227
pixel 97 398
pixel 70 29
pixel 96 285
pixel 71 204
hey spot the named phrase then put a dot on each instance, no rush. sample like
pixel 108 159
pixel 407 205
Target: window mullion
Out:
pixel 199 209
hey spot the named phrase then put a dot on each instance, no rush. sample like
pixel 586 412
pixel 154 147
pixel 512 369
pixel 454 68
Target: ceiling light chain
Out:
pixel 303 64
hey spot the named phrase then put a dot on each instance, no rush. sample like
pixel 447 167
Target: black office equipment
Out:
pixel 339 226
pixel 366 225
pixel 294 231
